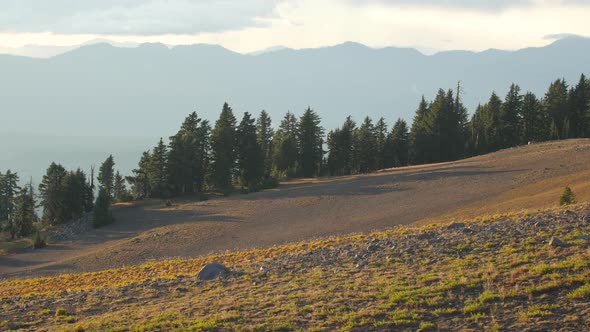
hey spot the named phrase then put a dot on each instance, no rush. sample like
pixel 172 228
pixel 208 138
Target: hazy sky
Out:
pixel 249 25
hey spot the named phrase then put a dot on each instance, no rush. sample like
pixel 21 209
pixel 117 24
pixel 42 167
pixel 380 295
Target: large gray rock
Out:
pixel 211 271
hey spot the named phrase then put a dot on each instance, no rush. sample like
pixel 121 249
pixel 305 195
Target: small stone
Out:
pixel 181 289
pixel 211 271
pixel 555 242
pixel 586 218
pixel 373 247
pixel 456 225
pixel 361 264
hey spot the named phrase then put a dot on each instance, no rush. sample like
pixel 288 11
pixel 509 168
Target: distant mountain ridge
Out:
pixel 153 86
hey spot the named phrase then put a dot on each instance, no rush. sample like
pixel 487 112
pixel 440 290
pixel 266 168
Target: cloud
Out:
pixel 474 5
pixel 558 36
pixel 132 17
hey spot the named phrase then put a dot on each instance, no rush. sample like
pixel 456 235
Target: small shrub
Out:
pixel 568 197
pixel 39 241
pixel 270 183
pixel 61 312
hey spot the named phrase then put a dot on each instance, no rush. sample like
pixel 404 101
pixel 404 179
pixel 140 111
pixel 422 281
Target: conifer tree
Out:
pixel 510 117
pixel 381 138
pixel 156 172
pixel 285 147
pixel 75 189
pixel 223 142
pixel 106 176
pixel 399 144
pixel 8 200
pixel 556 105
pixel 310 138
pixel 119 188
pixel 579 109
pixel 89 192
pixel 53 193
pixel 264 134
pixel 420 134
pixel 366 145
pixel 140 186
pixel 535 121
pixel 249 154
pixel 102 213
pixel 24 215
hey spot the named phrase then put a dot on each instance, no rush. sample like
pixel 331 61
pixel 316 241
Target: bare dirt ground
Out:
pixel 529 177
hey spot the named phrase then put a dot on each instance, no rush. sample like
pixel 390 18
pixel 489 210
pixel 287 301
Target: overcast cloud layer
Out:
pixel 157 17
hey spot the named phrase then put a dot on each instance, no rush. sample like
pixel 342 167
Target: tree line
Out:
pixel 252 155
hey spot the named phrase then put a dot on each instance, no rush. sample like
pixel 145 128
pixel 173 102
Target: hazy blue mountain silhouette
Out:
pixel 100 89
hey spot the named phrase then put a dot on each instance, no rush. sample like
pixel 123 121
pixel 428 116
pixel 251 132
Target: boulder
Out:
pixel 555 242
pixel 211 271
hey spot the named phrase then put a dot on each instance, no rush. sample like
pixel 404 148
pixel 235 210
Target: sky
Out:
pixel 251 25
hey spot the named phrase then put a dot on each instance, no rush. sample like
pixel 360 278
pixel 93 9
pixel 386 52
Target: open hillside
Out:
pixel 528 177
pixel 520 271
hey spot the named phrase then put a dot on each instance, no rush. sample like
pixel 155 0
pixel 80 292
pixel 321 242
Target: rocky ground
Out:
pixel 525 271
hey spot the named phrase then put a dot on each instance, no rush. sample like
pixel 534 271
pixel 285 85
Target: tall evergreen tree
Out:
pixel 106 175
pixel 250 155
pixel 556 105
pixel 579 108
pixel 399 145
pixel 53 193
pixel 223 142
pixel 381 138
pixel 510 117
pixel 188 156
pixel 140 184
pixel 8 199
pixel 119 188
pixel 310 137
pixel 156 172
pixel 420 134
pixel 535 121
pixel 24 215
pixel 75 189
pixel 89 193
pixel 285 147
pixel 102 213
pixel 366 145
pixel 264 134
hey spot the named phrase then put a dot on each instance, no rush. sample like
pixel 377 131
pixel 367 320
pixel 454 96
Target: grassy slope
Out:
pixel 493 273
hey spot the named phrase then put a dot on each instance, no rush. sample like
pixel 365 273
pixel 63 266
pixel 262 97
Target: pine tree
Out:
pixel 75 189
pixel 53 193
pixel 366 145
pixel 119 188
pixel 156 171
pixel 187 159
pixel 264 134
pixel 8 200
pixel 399 145
pixel 556 105
pixel 106 176
pixel 223 142
pixel 89 192
pixel 310 138
pixel 285 147
pixel 140 186
pixel 381 138
pixel 535 121
pixel 579 109
pixel 102 213
pixel 250 155
pixel 420 134
pixel 510 117
pixel 24 215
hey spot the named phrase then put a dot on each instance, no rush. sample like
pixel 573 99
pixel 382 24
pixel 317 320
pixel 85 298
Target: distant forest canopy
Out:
pixel 203 157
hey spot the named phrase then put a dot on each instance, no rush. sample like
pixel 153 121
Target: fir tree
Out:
pixel 579 109
pixel 106 176
pixel 285 147
pixel 366 146
pixel 53 193
pixel 8 200
pixel 420 134
pixel 556 105
pixel 24 215
pixel 535 121
pixel 156 171
pixel 510 114
pixel 140 186
pixel 223 142
pixel 381 138
pixel 310 138
pixel 264 134
pixel 119 188
pixel 102 213
pixel 250 155
pixel 399 144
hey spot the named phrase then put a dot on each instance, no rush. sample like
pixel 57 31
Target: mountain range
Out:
pixel 101 90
